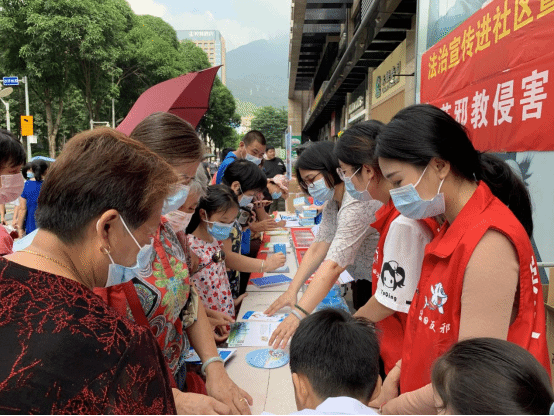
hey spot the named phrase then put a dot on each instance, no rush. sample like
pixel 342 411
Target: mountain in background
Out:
pixel 257 72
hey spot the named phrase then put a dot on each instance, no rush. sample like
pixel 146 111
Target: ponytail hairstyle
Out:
pixel 319 156
pixel 218 198
pixel 491 376
pixel 39 168
pixel 420 132
pixel 356 146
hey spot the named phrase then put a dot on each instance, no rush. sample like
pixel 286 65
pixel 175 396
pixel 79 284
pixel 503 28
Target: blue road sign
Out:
pixel 10 81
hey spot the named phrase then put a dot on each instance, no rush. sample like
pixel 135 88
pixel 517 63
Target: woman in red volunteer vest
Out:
pixel 399 254
pixel 479 275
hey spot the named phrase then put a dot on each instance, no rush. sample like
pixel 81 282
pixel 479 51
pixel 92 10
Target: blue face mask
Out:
pixel 276 195
pixel 319 190
pixel 175 201
pixel 30 175
pixel 245 199
pixel 351 189
pixel 219 231
pixel 408 202
pixel 118 274
pixel 253 159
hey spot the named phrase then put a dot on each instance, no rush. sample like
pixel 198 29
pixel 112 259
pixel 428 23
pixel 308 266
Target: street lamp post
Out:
pixel 4 93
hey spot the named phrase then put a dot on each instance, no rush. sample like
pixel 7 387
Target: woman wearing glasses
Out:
pixel 345 240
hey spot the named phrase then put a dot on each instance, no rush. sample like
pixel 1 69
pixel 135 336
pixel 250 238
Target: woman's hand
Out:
pixel 222 388
pixel 288 298
pixel 198 404
pixel 390 388
pixel 284 332
pixel 265 225
pixel 275 261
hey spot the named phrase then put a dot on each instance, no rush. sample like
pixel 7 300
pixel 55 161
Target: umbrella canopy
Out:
pixel 48 159
pixel 186 96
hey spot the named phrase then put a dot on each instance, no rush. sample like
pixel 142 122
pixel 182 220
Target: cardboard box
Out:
pixel 548 294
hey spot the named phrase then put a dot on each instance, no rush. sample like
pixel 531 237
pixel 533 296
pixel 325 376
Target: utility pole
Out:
pixel 27 113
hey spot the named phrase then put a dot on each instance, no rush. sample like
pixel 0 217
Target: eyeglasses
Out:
pixel 185 178
pixel 342 174
pixel 306 183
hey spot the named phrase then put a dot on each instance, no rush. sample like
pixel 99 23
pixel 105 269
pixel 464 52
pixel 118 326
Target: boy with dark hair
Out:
pixel 334 361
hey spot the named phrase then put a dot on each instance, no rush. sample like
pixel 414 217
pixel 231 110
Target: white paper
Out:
pixel 262 317
pixel 345 278
pixel 251 334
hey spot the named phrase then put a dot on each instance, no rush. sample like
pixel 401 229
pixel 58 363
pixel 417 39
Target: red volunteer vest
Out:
pixel 391 328
pixel 434 319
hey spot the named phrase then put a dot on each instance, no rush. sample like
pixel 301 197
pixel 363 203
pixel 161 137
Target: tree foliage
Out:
pixel 81 54
pixel 272 122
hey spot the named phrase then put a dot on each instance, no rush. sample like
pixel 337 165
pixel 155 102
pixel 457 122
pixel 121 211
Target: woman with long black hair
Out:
pixel 479 275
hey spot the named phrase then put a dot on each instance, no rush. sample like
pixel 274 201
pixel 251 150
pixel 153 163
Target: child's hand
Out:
pixel 217 318
pixel 275 261
pixel 390 388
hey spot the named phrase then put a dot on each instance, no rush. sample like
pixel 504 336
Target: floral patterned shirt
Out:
pixel 211 280
pixel 167 297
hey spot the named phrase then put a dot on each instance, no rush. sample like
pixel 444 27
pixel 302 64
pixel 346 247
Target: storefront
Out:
pixel 389 84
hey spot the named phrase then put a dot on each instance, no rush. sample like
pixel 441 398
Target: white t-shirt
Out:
pixel 341 405
pixel 402 259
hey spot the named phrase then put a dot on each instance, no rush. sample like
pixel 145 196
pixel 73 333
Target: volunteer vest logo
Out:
pixel 438 298
pixel 393 275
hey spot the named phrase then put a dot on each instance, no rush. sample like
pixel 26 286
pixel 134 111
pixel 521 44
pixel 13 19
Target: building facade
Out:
pixel 485 62
pixel 350 60
pixel 211 42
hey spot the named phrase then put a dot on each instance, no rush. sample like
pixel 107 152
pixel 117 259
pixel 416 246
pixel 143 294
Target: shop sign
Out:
pixel 492 74
pixel 385 81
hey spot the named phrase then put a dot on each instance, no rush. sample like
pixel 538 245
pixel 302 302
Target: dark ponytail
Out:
pixel 487 376
pixel 356 146
pixel 219 198
pixel 420 132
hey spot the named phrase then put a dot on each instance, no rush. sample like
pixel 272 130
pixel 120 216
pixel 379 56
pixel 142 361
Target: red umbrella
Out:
pixel 186 96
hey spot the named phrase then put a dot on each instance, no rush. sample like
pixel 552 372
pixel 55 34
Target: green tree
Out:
pixel 221 118
pixel 271 122
pixel 152 55
pixel 194 58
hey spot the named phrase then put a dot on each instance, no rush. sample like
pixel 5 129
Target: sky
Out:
pixel 239 21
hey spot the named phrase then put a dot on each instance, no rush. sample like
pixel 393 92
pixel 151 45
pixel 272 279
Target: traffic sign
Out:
pixel 10 81
pixel 26 125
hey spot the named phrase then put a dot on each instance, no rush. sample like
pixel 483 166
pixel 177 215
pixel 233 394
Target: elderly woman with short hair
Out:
pixel 63 349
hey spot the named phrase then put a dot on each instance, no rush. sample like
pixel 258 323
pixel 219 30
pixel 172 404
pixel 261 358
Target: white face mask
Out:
pixel 179 220
pixel 407 201
pixel 12 187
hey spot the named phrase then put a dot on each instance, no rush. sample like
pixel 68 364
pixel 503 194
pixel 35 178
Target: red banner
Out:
pixel 492 74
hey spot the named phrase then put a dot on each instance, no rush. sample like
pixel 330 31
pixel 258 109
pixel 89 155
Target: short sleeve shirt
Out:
pixel 402 259
pixel 353 240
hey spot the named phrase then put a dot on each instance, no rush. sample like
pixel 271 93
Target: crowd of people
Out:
pixel 131 259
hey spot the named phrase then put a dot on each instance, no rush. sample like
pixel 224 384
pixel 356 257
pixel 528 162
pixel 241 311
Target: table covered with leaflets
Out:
pixel 253 365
